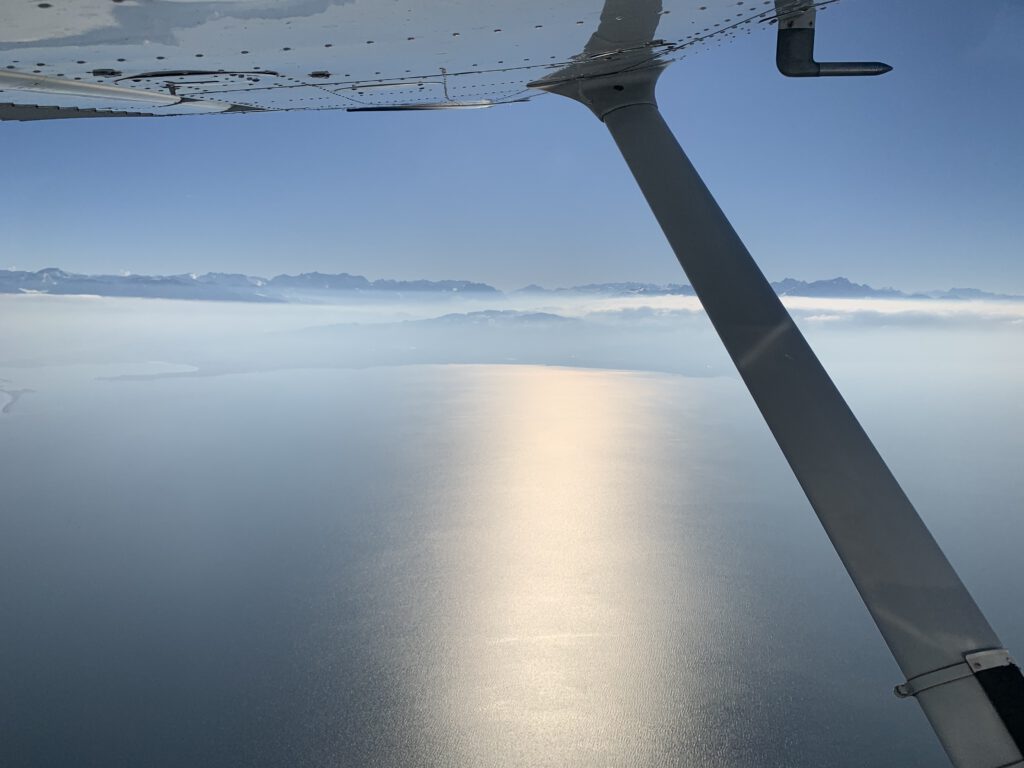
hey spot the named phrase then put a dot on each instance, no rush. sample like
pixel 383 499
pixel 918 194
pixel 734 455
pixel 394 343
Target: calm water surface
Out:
pixel 427 566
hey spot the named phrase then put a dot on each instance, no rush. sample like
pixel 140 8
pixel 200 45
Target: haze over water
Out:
pixel 284 562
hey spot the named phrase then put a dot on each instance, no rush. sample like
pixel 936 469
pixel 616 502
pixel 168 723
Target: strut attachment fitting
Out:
pixel 794 54
pixel 973 663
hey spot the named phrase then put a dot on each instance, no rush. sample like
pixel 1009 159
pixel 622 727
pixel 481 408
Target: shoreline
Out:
pixel 11 396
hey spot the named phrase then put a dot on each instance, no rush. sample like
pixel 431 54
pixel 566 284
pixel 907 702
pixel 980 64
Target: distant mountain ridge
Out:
pixel 835 288
pixel 840 288
pixel 615 289
pixel 318 286
pixel 220 286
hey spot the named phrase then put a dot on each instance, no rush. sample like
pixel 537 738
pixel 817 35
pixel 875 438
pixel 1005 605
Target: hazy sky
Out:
pixel 914 179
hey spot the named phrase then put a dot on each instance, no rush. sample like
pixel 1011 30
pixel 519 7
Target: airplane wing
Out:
pixel 121 58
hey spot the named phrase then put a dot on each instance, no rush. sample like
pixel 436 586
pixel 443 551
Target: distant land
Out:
pixel 220 286
pixel 320 287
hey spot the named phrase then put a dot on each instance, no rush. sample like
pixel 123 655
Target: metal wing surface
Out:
pixel 101 58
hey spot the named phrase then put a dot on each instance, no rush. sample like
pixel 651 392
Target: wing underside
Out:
pixel 104 58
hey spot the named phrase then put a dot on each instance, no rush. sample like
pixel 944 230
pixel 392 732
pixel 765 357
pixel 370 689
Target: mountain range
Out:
pixel 317 286
pixel 221 286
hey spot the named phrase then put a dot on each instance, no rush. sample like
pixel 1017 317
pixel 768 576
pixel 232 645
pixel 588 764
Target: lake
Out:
pixel 468 565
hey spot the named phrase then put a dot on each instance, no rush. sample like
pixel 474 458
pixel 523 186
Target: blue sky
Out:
pixel 914 179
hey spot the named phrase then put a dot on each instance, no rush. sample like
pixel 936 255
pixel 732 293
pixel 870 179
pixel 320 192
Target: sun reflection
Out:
pixel 555 629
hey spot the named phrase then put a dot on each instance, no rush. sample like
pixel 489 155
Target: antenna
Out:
pixel 794 55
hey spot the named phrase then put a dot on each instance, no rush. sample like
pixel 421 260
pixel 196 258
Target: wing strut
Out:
pixel 936 632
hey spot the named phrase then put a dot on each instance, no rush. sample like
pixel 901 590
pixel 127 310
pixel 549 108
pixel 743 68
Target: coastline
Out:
pixel 8 397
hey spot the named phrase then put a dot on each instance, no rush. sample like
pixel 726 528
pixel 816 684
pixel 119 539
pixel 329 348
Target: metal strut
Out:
pixel 928 619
